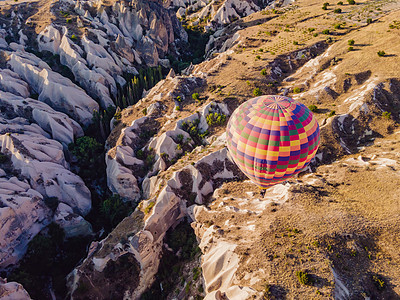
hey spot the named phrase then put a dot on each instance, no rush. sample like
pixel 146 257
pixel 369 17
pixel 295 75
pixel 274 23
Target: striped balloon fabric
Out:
pixel 272 138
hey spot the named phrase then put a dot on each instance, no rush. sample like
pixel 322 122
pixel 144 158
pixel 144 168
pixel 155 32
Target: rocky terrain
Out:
pixel 123 180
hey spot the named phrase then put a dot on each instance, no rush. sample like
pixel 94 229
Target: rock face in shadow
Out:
pixel 37 185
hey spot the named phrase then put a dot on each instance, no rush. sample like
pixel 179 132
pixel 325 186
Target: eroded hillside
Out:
pixel 331 232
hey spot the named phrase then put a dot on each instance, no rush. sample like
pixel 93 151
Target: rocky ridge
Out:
pixel 168 153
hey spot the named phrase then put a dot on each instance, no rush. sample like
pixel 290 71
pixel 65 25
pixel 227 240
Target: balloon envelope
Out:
pixel 272 138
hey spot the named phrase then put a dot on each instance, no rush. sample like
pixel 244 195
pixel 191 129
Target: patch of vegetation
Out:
pixel 325 6
pixel 351 42
pixel 331 113
pixel 340 3
pixel 313 108
pixel 337 10
pixel 216 119
pixel 296 90
pixel 263 72
pixel 118 115
pixel 149 207
pixel 195 50
pixel 257 92
pixel 325 31
pixel 132 92
pixel 304 278
pixel 395 25
pixel 100 126
pixel 194 131
pixel 88 153
pixel 351 2
pixel 381 53
pixel 369 21
pixel 387 115
pixel 196 273
pixel 195 96
pixel 350 48
pixel 378 282
pixel 114 209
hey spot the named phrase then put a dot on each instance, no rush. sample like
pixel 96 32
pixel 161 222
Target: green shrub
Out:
pixel 215 119
pixel 144 111
pixel 178 108
pixel 379 282
pixel 350 42
pixel 296 90
pixel 340 3
pixel 179 138
pixel 196 273
pixel 315 34
pixel 351 2
pixel 69 20
pixel 313 108
pixel 381 53
pixel 332 113
pixel 258 57
pixel 263 72
pixel 350 48
pixel 325 6
pixel 257 92
pixel 195 96
pixel 195 133
pixel 140 154
pixel 179 99
pixel 74 37
pixel 337 11
pixel 387 115
pixel 117 116
pixel 164 156
pixel 86 149
pixel 325 31
pixel 295 43
pixel 114 210
pixel 303 277
pixel 369 21
pixel 149 207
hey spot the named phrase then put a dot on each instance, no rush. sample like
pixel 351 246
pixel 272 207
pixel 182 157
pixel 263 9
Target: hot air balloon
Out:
pixel 272 138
